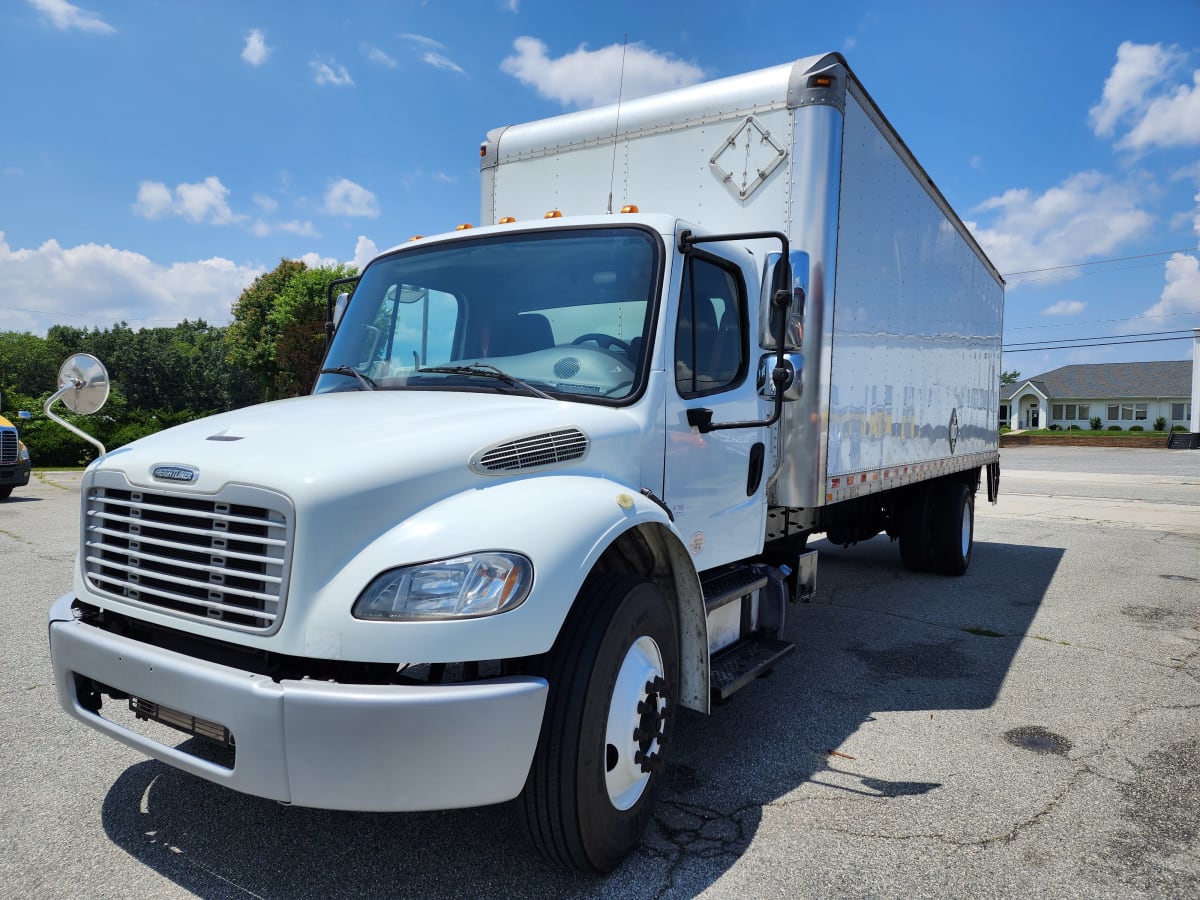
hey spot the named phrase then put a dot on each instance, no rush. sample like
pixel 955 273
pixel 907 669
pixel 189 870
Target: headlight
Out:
pixel 479 584
pixel 24 454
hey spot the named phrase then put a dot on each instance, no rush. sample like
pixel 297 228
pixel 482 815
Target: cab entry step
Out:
pixel 739 664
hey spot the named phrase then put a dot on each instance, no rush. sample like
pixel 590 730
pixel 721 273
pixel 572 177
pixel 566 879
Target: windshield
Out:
pixel 565 312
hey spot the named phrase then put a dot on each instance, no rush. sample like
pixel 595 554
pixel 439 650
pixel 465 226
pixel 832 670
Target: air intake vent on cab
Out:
pixel 533 451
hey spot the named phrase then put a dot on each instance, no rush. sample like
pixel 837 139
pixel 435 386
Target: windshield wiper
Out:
pixel 367 383
pixel 484 370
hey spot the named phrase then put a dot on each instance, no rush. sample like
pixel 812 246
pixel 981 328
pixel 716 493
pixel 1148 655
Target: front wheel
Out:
pixel 614 675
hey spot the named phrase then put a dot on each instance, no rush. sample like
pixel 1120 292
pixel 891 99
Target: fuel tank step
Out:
pixel 737 665
pixel 732 584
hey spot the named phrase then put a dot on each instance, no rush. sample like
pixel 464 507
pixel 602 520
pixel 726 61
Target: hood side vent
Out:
pixel 535 451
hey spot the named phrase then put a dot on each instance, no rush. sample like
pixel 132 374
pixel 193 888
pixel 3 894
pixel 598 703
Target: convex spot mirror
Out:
pixel 87 382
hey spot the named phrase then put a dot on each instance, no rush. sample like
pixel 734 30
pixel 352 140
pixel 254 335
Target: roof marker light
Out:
pixel 629 208
pixel 465 226
pixel 506 220
pixel 415 237
pixel 553 214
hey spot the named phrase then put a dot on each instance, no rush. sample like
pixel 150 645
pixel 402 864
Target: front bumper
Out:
pixel 15 476
pixel 376 748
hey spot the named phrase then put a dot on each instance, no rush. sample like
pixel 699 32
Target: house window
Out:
pixel 1085 412
pixel 1181 412
pixel 1127 411
pixel 1069 412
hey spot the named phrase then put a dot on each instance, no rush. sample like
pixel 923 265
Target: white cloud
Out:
pixel 513 6
pixel 265 203
pixel 1138 95
pixel 100 285
pixel 428 52
pixel 441 62
pixel 421 40
pixel 295 226
pixel 345 198
pixel 591 77
pixel 364 251
pixel 154 200
pixel 317 261
pixel 1182 292
pixel 377 56
pixel 331 73
pixel 202 201
pixel 1086 216
pixel 444 178
pixel 64 16
pixel 256 50
pixel 1169 121
pixel 1065 308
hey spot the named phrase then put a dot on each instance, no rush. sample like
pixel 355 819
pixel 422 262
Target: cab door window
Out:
pixel 710 346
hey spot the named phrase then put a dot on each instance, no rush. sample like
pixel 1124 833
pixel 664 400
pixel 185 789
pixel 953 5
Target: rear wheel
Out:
pixel 954 528
pixel 916 531
pixel 598 767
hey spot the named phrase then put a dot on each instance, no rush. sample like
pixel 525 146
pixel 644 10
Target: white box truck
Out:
pixel 556 477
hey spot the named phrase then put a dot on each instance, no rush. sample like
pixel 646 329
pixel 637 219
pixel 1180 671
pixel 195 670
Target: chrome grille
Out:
pixel 8 445
pixel 534 451
pixel 199 557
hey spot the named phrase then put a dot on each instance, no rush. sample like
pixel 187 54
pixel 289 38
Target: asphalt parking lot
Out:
pixel 1029 729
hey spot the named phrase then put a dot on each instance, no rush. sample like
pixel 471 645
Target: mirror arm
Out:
pixel 73 386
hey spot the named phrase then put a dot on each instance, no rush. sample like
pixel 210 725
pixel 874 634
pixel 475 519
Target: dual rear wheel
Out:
pixel 937 528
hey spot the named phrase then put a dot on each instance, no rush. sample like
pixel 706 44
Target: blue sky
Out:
pixel 157 155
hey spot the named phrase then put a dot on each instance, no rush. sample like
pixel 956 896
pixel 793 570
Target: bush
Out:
pixel 1114 428
pixel 1094 421
pixel 1136 428
pixel 1074 428
pixel 1179 428
pixel 1055 426
pixel 1160 424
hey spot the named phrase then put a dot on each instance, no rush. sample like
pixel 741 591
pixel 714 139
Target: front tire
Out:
pixel 598 767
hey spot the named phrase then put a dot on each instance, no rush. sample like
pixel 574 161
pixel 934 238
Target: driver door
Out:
pixel 714 482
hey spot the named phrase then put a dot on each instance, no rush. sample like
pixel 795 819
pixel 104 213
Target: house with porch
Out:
pixel 1123 394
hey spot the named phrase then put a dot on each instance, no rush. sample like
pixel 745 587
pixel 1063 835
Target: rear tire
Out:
pixel 953 527
pixel 916 531
pixel 598 767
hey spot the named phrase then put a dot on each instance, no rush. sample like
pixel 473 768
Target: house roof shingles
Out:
pixel 1111 381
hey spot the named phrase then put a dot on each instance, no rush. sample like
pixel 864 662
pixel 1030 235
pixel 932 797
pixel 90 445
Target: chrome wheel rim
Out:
pixel 636 721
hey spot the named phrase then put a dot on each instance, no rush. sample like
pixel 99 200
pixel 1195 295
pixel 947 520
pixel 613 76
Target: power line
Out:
pixel 1106 321
pixel 1099 344
pixel 1181 332
pixel 1100 262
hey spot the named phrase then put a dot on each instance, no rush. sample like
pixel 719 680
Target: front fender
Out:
pixel 562 523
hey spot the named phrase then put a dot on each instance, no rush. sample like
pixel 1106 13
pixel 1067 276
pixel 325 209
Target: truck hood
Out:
pixel 417 446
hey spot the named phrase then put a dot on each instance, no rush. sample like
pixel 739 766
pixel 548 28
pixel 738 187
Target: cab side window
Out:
pixel 710 347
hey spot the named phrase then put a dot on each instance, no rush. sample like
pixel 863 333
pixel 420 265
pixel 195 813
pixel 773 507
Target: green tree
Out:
pixel 251 337
pixel 298 320
pixel 1009 377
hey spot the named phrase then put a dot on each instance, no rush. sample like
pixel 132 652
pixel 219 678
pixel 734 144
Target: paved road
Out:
pixel 1030 729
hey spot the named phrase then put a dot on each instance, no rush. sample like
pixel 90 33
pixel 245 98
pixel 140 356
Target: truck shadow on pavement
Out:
pixel 877 640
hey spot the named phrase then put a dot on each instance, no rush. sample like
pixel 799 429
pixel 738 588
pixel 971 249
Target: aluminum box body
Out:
pixel 903 313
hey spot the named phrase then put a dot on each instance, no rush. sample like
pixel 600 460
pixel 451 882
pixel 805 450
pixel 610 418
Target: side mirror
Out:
pixel 339 308
pixel 790 275
pixel 83 389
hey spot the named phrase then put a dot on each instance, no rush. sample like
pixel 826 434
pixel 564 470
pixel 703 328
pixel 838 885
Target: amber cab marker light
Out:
pixel 553 214
pixel 821 81
pixel 629 208
pixel 465 226
pixel 415 237
pixel 506 220
pixel 482 150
